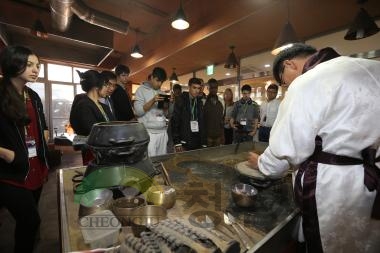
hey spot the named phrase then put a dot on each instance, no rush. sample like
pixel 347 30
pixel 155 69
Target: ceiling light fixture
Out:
pixel 287 36
pixel 174 77
pixel 136 52
pixel 232 61
pixel 39 30
pixel 179 21
pixel 363 25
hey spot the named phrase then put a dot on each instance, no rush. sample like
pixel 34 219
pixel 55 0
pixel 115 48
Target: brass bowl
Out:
pixel 243 195
pixel 143 217
pixel 94 201
pixel 162 195
pixel 123 207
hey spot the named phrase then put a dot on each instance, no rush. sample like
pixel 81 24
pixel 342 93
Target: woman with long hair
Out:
pixel 86 109
pixel 228 98
pixel 23 150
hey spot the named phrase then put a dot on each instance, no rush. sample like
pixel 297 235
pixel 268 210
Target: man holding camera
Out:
pixel 150 110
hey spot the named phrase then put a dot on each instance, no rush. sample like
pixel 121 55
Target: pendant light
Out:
pixel 39 30
pixel 286 38
pixel 174 77
pixel 232 61
pixel 136 52
pixel 180 21
pixel 362 27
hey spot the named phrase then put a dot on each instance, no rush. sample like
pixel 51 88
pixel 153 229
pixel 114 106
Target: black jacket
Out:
pixel 84 114
pixel 180 123
pixel 122 104
pixel 13 138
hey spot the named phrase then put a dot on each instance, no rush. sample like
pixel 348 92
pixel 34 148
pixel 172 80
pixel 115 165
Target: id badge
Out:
pixel 32 148
pixel 194 126
pixel 243 122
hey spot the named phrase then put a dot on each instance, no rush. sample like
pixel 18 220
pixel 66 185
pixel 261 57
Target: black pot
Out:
pixel 117 134
pixel 118 142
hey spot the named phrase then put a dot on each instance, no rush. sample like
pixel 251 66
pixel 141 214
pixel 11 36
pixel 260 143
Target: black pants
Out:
pixel 23 205
pixel 264 133
pixel 228 135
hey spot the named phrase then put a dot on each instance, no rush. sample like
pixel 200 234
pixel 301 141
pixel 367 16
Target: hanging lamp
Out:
pixel 39 30
pixel 136 52
pixel 174 77
pixel 232 61
pixel 180 21
pixel 286 38
pixel 362 27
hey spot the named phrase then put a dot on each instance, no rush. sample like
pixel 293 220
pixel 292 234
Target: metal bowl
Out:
pixel 162 195
pixel 243 195
pixel 94 201
pixel 123 207
pixel 143 217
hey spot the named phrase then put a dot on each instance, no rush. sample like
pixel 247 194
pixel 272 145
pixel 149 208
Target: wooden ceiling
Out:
pixel 250 25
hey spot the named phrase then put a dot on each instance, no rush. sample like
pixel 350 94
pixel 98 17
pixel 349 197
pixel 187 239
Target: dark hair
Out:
pixel 122 69
pixel 14 60
pixel 297 50
pixel 273 87
pixel 212 81
pixel 177 87
pixel 108 75
pixel 159 73
pixel 246 87
pixel 194 80
pixel 90 79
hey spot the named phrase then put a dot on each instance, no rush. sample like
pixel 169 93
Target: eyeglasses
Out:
pixel 108 84
pixel 246 93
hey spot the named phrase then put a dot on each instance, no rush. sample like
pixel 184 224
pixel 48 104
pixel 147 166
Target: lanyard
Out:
pixel 245 108
pixel 102 111
pixel 193 109
pixel 26 97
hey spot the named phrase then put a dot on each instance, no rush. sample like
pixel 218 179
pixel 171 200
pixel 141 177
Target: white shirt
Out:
pixel 268 112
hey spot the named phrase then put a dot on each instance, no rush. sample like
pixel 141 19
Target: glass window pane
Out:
pixel 79 89
pixel 76 76
pixel 62 98
pixel 59 73
pixel 40 89
pixel 42 72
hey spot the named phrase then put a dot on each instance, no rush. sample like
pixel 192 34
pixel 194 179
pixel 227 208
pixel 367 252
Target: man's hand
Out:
pixel 253 160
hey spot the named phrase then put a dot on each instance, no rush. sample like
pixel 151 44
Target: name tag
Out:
pixel 194 126
pixel 32 148
pixel 243 122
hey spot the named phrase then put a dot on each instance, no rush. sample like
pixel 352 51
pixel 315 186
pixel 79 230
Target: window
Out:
pixel 62 98
pixel 40 89
pixel 60 73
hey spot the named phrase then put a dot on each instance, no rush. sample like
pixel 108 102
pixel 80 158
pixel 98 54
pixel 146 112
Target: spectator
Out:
pixel 111 80
pixel 228 98
pixel 245 116
pixel 187 120
pixel 121 101
pixel 213 115
pixel 150 114
pixel 268 112
pixel 177 91
pixel 23 149
pixel 327 127
pixel 86 110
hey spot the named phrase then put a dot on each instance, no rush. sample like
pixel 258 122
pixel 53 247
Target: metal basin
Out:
pixel 94 201
pixel 243 195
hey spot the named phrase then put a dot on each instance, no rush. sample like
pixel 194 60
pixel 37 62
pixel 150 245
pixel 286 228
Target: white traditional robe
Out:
pixel 339 100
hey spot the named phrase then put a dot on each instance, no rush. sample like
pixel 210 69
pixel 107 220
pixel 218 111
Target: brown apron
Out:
pixel 305 194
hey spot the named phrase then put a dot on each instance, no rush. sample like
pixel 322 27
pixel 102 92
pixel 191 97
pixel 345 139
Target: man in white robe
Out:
pixel 326 122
